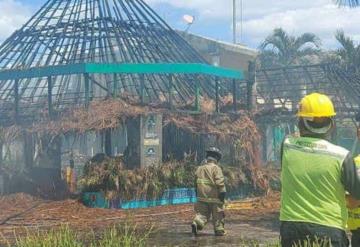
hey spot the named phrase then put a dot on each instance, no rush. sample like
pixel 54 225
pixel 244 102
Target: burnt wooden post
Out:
pixel 234 95
pixel 250 85
pixel 142 88
pixel 108 142
pixel 171 84
pixel 197 94
pixel 115 88
pixel 50 104
pixel 87 89
pixel 217 95
pixel 17 100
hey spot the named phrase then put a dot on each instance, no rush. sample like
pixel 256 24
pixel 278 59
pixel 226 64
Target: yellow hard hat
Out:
pixel 316 105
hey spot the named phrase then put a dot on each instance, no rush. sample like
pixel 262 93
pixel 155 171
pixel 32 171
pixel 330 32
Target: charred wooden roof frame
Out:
pixel 73 51
pixel 86 69
pixel 278 90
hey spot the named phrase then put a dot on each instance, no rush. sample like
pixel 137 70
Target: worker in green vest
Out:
pixel 354 214
pixel 210 192
pixel 315 175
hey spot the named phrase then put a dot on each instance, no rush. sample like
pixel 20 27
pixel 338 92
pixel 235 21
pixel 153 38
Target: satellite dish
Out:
pixel 189 19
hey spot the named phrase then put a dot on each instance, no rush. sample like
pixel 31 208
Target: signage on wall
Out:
pixel 151 127
pixel 150 152
pixel 151 142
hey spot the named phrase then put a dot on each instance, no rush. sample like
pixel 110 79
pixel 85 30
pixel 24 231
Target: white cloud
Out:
pixel 260 17
pixel 321 17
pixel 13 15
pixel 322 20
pixel 222 9
pixel 207 9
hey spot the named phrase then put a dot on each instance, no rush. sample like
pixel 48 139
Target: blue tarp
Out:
pixel 169 197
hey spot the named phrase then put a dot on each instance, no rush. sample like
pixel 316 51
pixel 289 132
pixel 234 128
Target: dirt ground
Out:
pixel 252 219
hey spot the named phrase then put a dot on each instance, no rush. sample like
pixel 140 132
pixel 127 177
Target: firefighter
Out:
pixel 315 175
pixel 211 191
pixel 71 177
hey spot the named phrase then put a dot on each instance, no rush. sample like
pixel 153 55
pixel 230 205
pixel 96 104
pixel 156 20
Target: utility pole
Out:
pixel 234 21
pixel 241 21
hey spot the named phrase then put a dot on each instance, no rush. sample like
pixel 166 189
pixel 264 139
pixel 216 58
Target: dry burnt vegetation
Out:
pixel 110 174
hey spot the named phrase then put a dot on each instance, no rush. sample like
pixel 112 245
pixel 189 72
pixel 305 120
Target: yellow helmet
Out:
pixel 316 105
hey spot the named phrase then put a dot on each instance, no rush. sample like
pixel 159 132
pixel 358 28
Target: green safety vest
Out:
pixel 312 190
pixel 354 214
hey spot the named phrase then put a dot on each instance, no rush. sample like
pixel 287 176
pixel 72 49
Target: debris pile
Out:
pixel 10 205
pixel 110 113
pixel 109 175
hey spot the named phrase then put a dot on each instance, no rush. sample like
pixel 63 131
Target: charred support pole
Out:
pixel 17 100
pixel 50 104
pixel 109 92
pixel 250 85
pixel 197 94
pixel 115 88
pixel 87 89
pixel 171 83
pixel 234 95
pixel 142 88
pixel 107 142
pixel 217 108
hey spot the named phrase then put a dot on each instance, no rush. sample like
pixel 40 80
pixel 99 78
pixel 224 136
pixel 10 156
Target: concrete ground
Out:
pixel 251 219
pixel 240 232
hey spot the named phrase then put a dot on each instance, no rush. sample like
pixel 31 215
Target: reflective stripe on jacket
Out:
pixel 209 182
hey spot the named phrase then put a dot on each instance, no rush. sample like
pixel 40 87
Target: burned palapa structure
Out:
pixel 87 77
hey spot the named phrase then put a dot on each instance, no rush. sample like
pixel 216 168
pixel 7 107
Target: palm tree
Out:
pixel 351 3
pixel 282 49
pixel 349 52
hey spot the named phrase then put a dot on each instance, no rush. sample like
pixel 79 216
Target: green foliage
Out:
pixel 125 235
pixel 316 243
pixel 63 237
pixel 350 3
pixel 282 49
pixel 349 53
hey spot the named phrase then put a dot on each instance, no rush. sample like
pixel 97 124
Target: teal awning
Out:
pixel 93 68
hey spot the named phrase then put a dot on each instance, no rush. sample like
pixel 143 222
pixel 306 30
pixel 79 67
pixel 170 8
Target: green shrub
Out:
pixel 62 237
pixel 125 235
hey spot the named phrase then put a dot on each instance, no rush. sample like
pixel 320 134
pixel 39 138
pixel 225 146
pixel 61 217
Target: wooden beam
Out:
pixel 50 104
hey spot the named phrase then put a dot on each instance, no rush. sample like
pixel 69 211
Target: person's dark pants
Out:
pixel 298 233
pixel 355 238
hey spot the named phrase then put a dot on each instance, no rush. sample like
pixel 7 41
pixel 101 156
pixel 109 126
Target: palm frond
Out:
pixel 278 40
pixel 348 49
pixel 350 3
pixel 308 51
pixel 287 49
pixel 307 38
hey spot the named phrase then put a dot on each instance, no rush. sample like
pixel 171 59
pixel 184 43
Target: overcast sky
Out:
pixel 213 17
